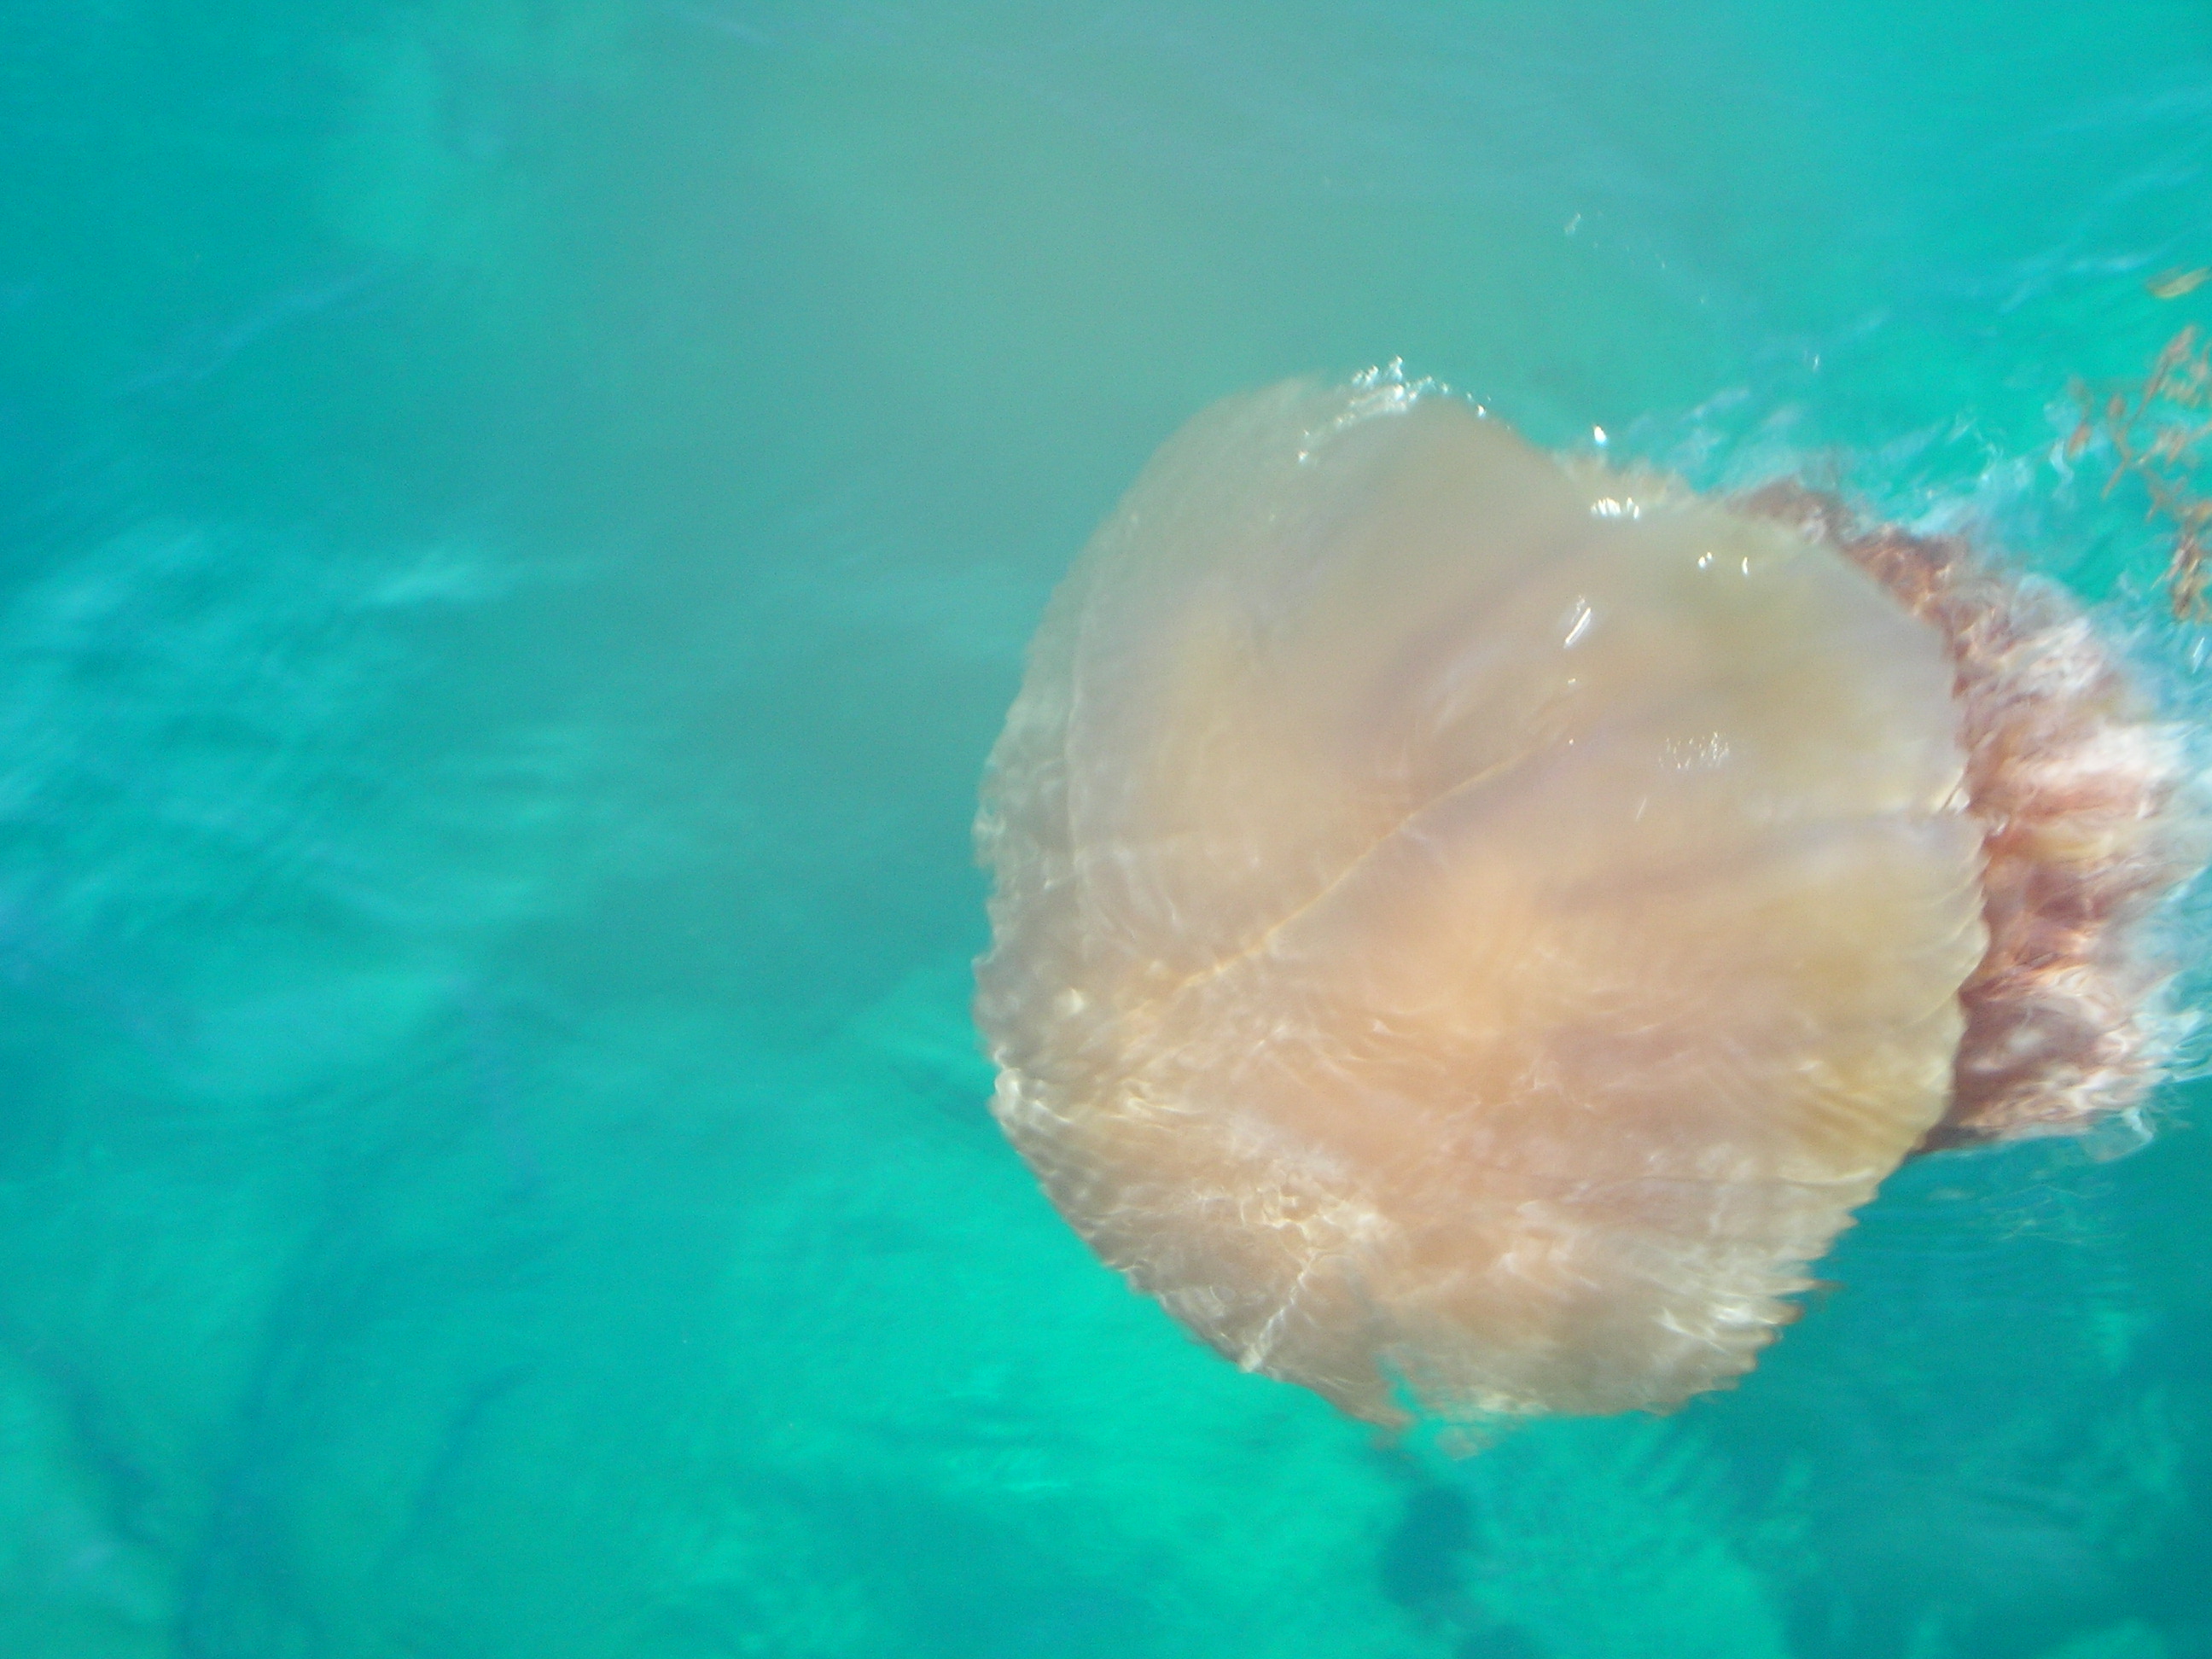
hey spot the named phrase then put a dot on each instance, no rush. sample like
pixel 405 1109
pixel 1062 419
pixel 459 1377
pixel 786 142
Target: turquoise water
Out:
pixel 521 521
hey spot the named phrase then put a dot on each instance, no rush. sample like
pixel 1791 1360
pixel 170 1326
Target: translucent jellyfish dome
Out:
pixel 1469 930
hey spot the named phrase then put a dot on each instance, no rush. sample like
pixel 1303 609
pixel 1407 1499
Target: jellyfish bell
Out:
pixel 1467 932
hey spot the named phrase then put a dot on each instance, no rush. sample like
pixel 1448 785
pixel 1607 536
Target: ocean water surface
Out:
pixel 519 522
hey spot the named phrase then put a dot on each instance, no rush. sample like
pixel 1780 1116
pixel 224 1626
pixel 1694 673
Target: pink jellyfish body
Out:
pixel 1468 931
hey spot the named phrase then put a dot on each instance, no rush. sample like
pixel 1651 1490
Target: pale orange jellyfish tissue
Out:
pixel 1468 931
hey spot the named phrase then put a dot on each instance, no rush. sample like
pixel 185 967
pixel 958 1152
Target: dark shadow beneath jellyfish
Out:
pixel 1469 930
pixel 1425 1567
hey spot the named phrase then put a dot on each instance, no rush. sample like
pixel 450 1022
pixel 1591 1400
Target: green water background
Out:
pixel 518 524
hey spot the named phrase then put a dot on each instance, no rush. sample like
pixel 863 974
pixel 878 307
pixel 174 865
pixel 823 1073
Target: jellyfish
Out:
pixel 1469 928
